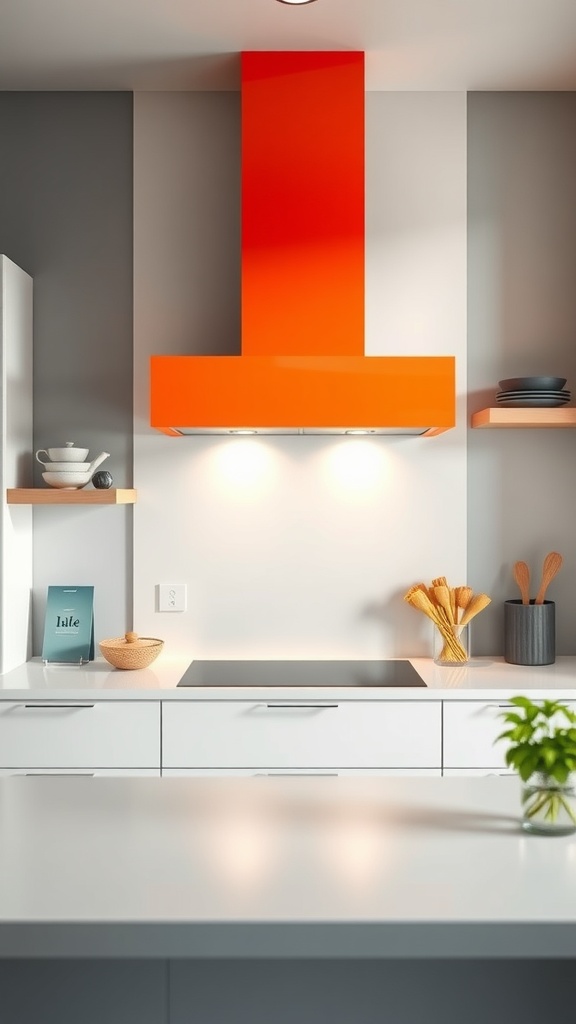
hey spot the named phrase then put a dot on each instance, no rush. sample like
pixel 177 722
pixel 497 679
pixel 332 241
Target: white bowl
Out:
pixel 71 480
pixel 67 454
pixel 66 467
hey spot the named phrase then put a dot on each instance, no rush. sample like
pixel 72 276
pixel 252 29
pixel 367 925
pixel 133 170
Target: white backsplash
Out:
pixel 301 546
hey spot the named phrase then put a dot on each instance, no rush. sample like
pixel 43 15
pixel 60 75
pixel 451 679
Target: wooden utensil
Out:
pixel 463 598
pixel 477 604
pixel 522 577
pixel 551 567
pixel 442 595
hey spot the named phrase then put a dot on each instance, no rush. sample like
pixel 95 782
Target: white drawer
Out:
pixel 308 734
pixel 470 729
pixel 173 773
pixel 79 734
pixel 460 773
pixel 96 773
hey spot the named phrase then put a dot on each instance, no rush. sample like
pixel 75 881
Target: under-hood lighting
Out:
pixel 302 367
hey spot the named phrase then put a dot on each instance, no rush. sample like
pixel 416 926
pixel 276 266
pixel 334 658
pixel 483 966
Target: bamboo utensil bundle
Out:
pixel 450 608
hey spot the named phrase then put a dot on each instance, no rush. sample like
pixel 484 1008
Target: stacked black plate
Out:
pixel 532 392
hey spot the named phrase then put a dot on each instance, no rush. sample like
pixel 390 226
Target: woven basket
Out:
pixel 131 651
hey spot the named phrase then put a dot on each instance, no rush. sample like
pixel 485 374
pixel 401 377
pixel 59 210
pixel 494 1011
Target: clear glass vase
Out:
pixel 452 645
pixel 549 807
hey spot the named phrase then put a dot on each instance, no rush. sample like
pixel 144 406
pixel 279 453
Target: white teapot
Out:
pixel 67 470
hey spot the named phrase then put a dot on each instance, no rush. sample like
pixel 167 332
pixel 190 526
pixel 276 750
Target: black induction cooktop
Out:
pixel 301 673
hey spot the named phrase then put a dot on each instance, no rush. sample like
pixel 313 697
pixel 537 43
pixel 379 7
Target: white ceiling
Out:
pixel 193 44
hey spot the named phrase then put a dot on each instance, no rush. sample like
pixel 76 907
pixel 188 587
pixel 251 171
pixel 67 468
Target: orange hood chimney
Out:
pixel 302 367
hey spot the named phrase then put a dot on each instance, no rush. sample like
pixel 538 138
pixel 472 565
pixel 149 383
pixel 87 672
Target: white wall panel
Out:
pixel 15 463
pixel 296 546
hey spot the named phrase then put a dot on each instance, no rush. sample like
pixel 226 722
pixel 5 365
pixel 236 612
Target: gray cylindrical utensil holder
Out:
pixel 529 633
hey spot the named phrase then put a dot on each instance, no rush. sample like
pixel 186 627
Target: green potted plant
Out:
pixel 542 748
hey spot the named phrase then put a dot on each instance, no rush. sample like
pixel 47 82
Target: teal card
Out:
pixel 69 625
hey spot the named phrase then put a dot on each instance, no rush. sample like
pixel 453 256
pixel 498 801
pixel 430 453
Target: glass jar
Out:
pixel 452 645
pixel 548 806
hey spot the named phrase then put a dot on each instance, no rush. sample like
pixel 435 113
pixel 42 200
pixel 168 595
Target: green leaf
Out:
pixel 521 702
pixel 522 751
pixel 549 755
pixel 509 734
pixel 528 766
pixel 512 717
pixel 560 772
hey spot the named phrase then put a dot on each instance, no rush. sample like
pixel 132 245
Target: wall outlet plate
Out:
pixel 172 597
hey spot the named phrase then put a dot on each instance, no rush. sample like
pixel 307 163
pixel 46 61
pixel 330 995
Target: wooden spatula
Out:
pixel 522 577
pixel 552 566
pixel 477 604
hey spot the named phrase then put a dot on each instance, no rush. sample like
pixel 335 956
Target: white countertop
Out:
pixel 279 867
pixel 98 680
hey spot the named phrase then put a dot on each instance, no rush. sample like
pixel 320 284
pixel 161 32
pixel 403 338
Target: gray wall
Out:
pixel 66 218
pixel 521 321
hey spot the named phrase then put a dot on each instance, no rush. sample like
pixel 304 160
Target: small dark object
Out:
pixel 102 479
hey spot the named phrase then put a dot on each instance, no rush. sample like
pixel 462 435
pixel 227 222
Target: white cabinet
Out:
pixel 95 773
pixel 79 734
pixel 470 729
pixel 452 773
pixel 172 773
pixel 265 737
pixel 277 734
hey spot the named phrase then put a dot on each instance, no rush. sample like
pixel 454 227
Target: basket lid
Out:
pixel 131 641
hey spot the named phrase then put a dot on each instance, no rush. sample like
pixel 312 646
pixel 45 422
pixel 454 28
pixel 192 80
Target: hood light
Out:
pixel 242 431
pixel 359 431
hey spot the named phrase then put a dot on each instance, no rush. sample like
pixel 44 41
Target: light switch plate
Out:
pixel 172 597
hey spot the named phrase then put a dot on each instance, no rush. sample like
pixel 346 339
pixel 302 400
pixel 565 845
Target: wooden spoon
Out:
pixel 522 577
pixel 552 566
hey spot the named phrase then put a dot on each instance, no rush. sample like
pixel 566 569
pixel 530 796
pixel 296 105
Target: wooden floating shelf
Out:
pixel 60 496
pixel 499 417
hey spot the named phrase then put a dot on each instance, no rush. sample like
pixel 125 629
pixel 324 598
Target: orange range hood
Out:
pixel 302 369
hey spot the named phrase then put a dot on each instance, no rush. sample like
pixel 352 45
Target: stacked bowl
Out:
pixel 66 467
pixel 532 392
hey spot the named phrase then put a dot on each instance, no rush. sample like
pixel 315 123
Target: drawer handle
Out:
pixel 294 775
pixel 307 707
pixel 497 706
pixel 55 707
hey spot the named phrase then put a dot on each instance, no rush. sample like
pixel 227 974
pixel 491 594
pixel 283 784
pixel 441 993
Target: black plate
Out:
pixel 533 383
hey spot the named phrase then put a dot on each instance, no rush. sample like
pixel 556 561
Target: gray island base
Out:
pixel 280 900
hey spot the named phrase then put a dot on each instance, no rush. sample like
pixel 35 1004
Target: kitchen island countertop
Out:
pixel 406 868
pixel 98 680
